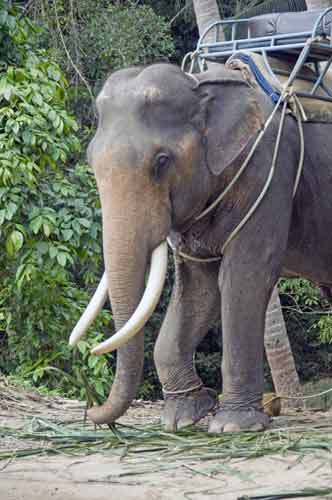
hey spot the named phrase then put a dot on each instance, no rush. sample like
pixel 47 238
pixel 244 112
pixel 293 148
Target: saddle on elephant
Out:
pixel 287 52
pixel 254 68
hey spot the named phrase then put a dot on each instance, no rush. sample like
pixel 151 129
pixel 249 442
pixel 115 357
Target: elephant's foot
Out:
pixel 253 420
pixel 186 409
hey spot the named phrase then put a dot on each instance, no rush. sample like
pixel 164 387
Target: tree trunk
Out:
pixel 279 353
pixel 207 12
pixel 278 350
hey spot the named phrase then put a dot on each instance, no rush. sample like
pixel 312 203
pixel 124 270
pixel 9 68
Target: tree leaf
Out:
pixel 53 251
pixel 47 229
pixel 42 247
pixel 67 234
pixel 3 16
pixel 62 258
pixel 36 224
pixel 37 99
pixel 7 93
pixel 92 361
pixel 17 239
pixel 9 247
pixel 11 210
pixel 85 222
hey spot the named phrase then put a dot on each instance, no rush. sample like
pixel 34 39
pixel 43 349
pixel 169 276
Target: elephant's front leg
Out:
pixel 194 305
pixel 248 274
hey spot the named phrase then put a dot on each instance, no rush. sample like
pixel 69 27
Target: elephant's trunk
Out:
pixel 125 263
pixel 128 246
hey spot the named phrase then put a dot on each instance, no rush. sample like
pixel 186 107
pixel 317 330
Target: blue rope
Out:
pixel 260 79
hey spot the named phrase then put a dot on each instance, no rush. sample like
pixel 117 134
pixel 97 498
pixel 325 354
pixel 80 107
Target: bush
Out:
pixel 49 215
pixel 90 39
pixel 308 320
pixel 49 206
pixel 119 36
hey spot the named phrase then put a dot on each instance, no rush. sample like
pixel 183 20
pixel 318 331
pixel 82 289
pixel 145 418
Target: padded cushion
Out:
pixel 289 22
pixel 316 110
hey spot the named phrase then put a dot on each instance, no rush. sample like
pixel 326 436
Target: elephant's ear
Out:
pixel 230 117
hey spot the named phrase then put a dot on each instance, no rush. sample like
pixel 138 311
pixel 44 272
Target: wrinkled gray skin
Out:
pixel 164 149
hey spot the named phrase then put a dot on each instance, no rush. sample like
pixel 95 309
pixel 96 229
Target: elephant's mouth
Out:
pixel 141 315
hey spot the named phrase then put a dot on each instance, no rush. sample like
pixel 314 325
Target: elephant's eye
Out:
pixel 160 165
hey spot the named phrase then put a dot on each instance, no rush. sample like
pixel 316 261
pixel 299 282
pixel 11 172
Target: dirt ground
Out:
pixel 99 476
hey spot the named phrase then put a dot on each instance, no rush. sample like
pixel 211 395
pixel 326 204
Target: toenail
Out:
pixel 232 428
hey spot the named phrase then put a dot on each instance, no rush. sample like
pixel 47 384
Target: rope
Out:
pixel 266 185
pixel 274 398
pixel 244 164
pixel 194 56
pixel 184 61
pixel 184 391
pixel 286 96
pixel 311 396
pixel 193 77
pixel 301 134
pixel 186 256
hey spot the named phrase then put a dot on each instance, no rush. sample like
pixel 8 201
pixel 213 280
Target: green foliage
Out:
pixel 308 318
pixel 49 216
pixel 301 291
pixel 16 35
pixel 49 207
pixel 304 299
pixel 91 39
pixel 325 329
pixel 121 36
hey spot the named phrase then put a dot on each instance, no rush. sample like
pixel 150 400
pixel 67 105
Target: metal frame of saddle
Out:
pixel 302 37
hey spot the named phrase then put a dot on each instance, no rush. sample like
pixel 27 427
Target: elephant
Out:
pixel 167 144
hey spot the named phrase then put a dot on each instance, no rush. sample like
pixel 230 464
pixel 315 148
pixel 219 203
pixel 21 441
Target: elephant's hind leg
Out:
pixel 194 305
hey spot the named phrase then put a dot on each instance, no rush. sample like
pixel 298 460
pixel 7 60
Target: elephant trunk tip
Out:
pixel 97 415
pixel 104 415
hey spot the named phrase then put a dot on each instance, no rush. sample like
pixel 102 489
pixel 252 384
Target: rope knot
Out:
pixel 287 93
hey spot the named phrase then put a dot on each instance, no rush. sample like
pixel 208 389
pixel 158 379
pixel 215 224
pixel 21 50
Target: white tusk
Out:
pixel 147 305
pixel 91 312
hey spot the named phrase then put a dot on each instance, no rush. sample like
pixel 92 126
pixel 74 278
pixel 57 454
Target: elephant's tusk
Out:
pixel 91 312
pixel 147 305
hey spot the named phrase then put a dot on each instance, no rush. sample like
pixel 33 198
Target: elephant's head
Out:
pixel 157 155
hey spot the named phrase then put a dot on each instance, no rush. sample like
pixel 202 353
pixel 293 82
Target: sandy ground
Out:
pixel 99 476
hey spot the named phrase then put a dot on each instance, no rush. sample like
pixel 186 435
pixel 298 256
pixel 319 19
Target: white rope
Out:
pixel 184 391
pixel 244 164
pixel 301 160
pixel 311 396
pixel 186 256
pixel 267 184
pixel 198 259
